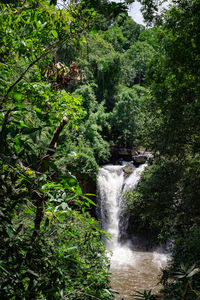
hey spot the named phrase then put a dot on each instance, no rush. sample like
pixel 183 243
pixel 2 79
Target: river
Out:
pixel 132 269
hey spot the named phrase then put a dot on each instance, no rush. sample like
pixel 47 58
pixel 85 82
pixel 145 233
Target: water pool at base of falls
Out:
pixel 132 270
pixel 135 270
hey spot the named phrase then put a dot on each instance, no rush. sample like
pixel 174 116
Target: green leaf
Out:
pixel 22 124
pixel 192 273
pixel 190 269
pixel 39 114
pixel 32 273
pixel 55 34
pixel 107 291
pixel 64 205
pixel 70 197
pixel 19 229
pixel 79 191
pixel 9 232
pixel 88 200
pixel 71 248
pixel 17 144
pixel 25 177
pixel 4 269
pixel 114 291
pixel 17 96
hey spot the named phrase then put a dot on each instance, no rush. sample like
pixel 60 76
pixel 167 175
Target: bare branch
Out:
pixel 53 143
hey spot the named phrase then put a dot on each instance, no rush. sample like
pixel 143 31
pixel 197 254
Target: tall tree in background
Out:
pixel 173 133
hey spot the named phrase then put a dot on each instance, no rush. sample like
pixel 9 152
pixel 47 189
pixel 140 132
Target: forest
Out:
pixel 77 81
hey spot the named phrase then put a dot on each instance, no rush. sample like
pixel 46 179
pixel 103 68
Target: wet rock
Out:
pixel 134 152
pixel 140 159
pixel 128 170
pixel 119 162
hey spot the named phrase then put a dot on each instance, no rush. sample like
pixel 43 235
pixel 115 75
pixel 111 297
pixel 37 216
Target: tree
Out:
pixel 127 118
pixel 123 33
pixel 130 30
pixel 137 58
pixel 50 246
pixel 116 38
pixel 154 37
pixel 101 65
pixel 173 134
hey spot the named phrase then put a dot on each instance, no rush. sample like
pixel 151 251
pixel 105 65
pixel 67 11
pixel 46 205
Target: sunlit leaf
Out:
pixel 55 34
pixel 17 96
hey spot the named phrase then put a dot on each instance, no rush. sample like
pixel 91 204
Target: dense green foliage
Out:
pixel 64 101
pixel 74 82
pixel 167 199
pixel 50 246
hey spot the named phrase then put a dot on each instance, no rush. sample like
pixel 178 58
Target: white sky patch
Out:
pixel 134 12
pixel 134 9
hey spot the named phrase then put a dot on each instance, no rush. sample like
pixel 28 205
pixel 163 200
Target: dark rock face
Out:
pixel 142 157
pixel 144 238
pixel 119 154
pixel 139 159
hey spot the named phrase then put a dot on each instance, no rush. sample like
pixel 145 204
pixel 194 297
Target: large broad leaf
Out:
pixel 64 205
pixel 193 272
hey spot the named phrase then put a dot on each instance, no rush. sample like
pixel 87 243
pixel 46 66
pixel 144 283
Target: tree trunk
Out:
pixel 44 167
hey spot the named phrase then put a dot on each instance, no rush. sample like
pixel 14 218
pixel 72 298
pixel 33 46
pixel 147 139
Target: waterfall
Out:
pixel 111 184
pixel 131 269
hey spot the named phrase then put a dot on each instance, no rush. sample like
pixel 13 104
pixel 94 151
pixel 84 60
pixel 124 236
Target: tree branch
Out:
pixel 20 78
pixel 44 167
pixel 53 143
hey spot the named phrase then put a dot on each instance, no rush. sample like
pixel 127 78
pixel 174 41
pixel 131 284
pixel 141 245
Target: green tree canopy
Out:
pixel 50 245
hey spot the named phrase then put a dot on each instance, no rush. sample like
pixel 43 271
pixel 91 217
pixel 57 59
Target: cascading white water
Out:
pixel 134 269
pixel 110 182
pixel 132 181
pixel 111 186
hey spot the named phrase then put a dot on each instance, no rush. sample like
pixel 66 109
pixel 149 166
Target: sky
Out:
pixel 134 12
